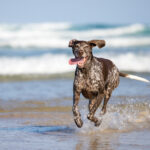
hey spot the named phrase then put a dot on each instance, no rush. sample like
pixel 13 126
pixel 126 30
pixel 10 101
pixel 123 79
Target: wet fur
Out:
pixel 96 80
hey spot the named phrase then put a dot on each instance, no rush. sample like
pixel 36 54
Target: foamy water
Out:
pixel 119 118
pixel 57 35
pixel 58 63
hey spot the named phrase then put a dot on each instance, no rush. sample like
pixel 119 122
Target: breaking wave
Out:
pixel 58 63
pixel 57 35
pixel 41 48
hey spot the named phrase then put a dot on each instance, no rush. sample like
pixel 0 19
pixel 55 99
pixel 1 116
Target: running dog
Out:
pixel 95 78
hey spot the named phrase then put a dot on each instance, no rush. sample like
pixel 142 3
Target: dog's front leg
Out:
pixel 76 113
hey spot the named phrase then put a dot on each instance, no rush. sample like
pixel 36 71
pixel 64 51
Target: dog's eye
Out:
pixel 76 47
pixel 86 47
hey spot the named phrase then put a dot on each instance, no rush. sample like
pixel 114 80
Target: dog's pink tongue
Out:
pixel 74 61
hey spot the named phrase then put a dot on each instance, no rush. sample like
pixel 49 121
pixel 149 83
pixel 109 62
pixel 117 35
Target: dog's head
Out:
pixel 82 51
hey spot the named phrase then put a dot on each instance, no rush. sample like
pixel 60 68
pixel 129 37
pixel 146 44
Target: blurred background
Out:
pixel 35 77
pixel 34 34
pixel 34 38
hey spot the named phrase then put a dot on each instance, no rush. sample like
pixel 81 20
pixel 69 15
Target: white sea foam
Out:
pixel 57 35
pixel 118 118
pixel 123 30
pixel 46 64
pixel 130 61
pixel 128 41
pixel 49 63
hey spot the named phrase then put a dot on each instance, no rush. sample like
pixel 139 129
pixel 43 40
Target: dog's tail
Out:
pixel 133 77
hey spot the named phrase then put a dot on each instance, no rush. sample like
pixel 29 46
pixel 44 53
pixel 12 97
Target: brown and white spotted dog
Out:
pixel 95 78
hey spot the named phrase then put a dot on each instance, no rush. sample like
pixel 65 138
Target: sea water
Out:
pixel 36 87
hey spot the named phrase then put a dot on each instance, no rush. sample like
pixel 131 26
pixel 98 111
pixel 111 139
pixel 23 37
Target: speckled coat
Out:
pixel 100 77
pixel 96 80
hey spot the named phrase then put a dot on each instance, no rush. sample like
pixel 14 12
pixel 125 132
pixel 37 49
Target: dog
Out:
pixel 95 78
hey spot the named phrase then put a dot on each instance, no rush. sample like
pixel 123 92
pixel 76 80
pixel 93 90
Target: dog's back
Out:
pixel 110 72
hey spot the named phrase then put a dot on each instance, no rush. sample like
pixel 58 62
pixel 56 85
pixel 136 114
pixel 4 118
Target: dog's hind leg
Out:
pixel 93 105
pixel 106 99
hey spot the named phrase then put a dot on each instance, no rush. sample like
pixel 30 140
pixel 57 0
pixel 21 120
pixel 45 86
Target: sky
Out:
pixel 75 11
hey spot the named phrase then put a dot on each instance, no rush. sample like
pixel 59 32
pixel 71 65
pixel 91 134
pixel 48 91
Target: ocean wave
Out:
pixel 130 61
pixel 58 63
pixel 57 35
pixel 35 26
pixel 45 64
pixel 41 43
pixel 128 42
pixel 121 30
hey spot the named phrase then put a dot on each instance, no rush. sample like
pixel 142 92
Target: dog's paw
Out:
pixel 98 123
pixel 89 117
pixel 103 112
pixel 78 122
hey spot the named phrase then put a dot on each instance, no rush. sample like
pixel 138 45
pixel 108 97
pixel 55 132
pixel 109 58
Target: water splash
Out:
pixel 119 118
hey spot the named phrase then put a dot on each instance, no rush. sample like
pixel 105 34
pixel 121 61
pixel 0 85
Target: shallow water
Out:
pixel 37 114
pixel 20 133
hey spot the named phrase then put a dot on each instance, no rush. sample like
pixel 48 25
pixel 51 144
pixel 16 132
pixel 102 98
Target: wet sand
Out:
pixel 56 130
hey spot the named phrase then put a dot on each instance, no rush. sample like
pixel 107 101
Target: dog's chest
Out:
pixel 90 83
pixel 93 80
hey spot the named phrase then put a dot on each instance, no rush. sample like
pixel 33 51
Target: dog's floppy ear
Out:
pixel 71 43
pixel 99 43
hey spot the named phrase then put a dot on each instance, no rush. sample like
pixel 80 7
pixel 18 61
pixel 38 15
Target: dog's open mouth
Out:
pixel 77 61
